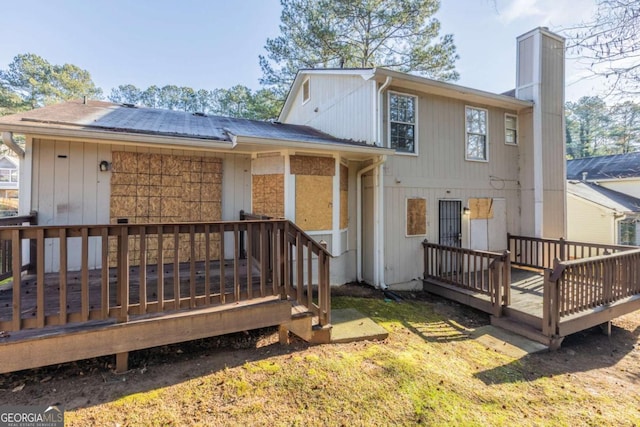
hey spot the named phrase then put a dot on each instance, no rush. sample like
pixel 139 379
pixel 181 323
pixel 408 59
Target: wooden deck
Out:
pixel 166 283
pixel 596 284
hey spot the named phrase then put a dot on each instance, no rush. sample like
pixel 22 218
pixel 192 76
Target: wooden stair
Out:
pixel 303 326
pixel 527 326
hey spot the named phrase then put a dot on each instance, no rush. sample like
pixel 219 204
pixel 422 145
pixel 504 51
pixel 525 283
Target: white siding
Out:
pixel 441 172
pixel 339 105
pixel 71 190
pixel 588 222
pixel 630 186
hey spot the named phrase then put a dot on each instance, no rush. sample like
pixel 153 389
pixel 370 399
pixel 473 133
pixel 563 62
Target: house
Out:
pixel 598 214
pixel 619 172
pixel 371 161
pixel 603 195
pixel 8 178
pixel 468 166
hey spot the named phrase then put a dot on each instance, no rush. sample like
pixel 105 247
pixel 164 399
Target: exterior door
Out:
pixel 450 221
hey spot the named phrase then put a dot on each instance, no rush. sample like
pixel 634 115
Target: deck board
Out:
pixel 74 294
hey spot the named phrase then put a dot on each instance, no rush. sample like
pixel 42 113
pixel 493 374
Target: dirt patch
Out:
pixel 591 363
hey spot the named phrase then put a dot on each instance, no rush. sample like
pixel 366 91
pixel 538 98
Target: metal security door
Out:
pixel 450 217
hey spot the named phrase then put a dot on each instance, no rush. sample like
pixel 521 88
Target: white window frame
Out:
pixel 506 115
pixel 307 83
pixel 415 124
pixel 11 175
pixel 486 135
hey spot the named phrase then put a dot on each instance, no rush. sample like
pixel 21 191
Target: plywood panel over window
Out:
pixel 161 188
pixel 416 217
pixel 344 196
pixel 267 195
pixel 314 202
pixel 313 165
pixel 481 208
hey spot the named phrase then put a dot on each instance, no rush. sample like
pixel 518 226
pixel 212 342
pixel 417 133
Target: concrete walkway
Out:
pixel 349 325
pixel 506 342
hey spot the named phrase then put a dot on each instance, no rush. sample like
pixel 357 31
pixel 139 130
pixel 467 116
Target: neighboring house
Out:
pixel 8 178
pixel 598 214
pixel 371 161
pixel 603 199
pixel 619 172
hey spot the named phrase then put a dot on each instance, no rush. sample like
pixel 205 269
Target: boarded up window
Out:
pixel 481 208
pixel 267 195
pixel 161 188
pixel 416 217
pixel 312 165
pixel 344 196
pixel 314 202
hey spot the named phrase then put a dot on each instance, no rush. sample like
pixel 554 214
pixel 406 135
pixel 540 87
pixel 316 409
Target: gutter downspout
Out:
pixel 361 172
pixel 7 138
pixel 379 242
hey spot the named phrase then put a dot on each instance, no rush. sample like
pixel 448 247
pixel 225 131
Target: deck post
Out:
pixel 497 287
pixel 563 249
pixel 426 258
pixel 123 274
pixel 546 303
pixel 122 362
pixel 506 277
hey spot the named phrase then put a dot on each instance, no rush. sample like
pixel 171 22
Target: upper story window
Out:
pixel 403 116
pixel 510 129
pixel 8 175
pixel 306 94
pixel 476 134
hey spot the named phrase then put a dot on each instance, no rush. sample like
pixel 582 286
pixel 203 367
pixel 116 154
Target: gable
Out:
pixel 6 163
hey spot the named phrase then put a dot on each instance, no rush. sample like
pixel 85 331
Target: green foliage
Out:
pixel 595 129
pixel 398 34
pixel 31 81
pixel 238 101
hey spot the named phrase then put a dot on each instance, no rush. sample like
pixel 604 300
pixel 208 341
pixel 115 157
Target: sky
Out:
pixel 208 44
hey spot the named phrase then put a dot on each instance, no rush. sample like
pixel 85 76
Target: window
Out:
pixel 8 175
pixel 627 232
pixel 476 124
pixel 305 91
pixel 402 122
pixel 510 129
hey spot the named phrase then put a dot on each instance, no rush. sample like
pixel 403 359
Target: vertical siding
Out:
pixel 338 105
pixel 71 190
pixel 441 172
pixel 630 186
pixel 553 138
pixel 525 61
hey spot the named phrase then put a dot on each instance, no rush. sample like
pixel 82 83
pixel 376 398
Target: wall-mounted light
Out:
pixel 104 166
pixel 466 211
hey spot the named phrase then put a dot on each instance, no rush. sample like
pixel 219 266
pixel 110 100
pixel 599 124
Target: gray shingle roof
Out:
pixel 99 115
pixel 604 196
pixel 605 167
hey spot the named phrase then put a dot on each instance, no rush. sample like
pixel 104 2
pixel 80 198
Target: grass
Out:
pixel 428 372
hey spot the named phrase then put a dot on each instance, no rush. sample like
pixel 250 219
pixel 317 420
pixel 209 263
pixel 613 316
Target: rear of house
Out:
pixel 467 167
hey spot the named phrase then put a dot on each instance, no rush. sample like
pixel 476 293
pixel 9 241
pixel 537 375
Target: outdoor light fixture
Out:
pixel 466 211
pixel 104 166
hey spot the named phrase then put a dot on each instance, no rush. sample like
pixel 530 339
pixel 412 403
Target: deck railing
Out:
pixel 537 252
pixel 6 254
pixel 483 272
pixel 575 286
pixel 141 269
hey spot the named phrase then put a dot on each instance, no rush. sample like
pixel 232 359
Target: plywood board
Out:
pixel 312 165
pixel 416 217
pixel 267 195
pixel 314 202
pixel 481 208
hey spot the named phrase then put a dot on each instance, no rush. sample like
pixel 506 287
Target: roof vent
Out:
pixel 275 122
pixel 584 176
pixel 199 114
pixel 129 105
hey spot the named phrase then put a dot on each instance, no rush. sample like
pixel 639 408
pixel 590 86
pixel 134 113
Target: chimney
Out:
pixel 540 78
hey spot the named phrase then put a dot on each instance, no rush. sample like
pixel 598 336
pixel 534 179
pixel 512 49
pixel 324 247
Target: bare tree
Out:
pixel 609 44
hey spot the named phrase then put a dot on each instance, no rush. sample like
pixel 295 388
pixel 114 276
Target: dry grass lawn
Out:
pixel 428 372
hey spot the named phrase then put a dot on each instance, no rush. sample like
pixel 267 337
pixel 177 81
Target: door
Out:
pixel 450 222
pixel 450 234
